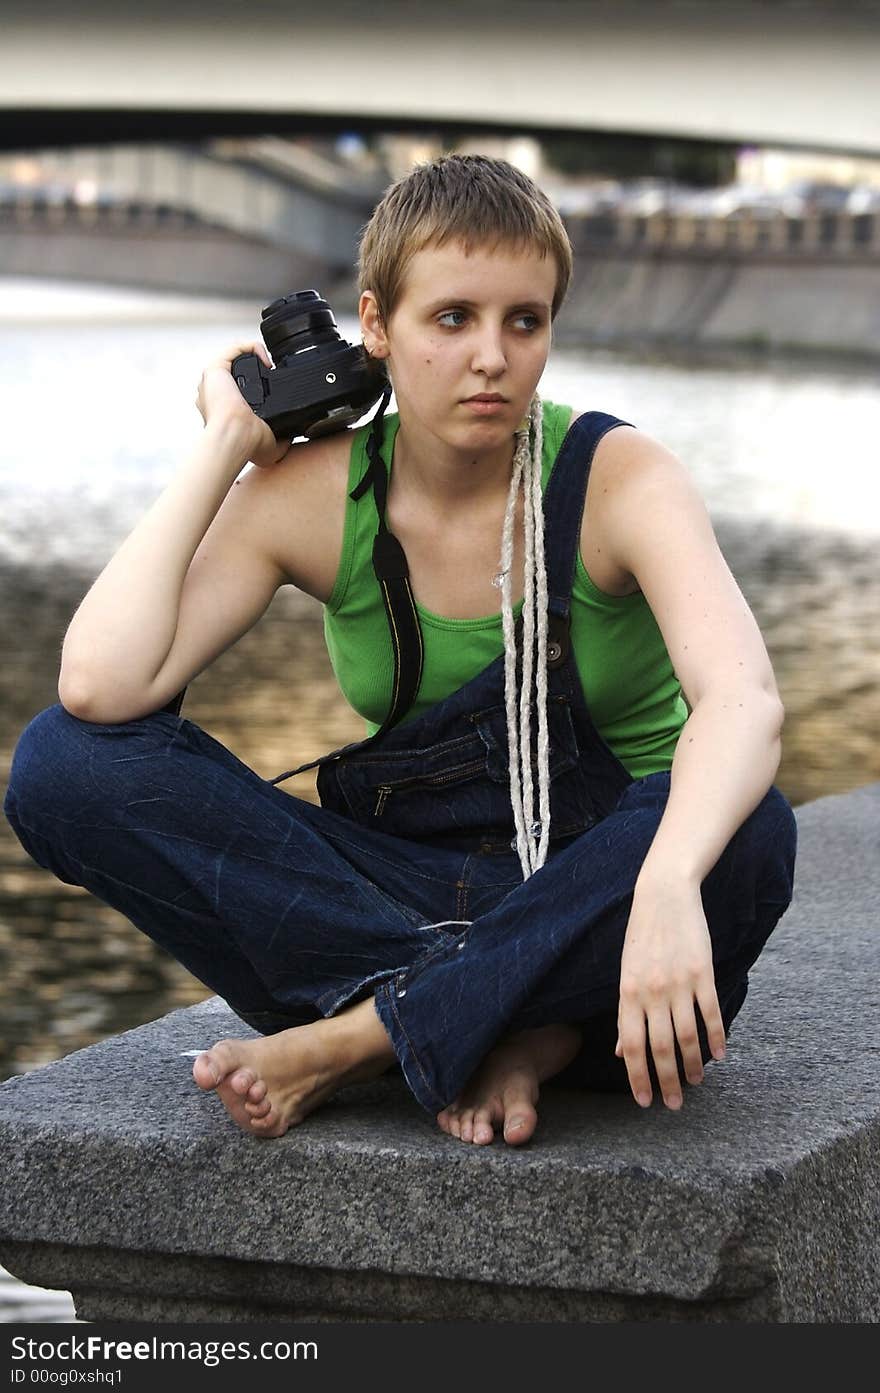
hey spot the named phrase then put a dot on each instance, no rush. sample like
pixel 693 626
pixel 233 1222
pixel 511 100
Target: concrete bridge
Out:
pixel 269 194
pixel 790 74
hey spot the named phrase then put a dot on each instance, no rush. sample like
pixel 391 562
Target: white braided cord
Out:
pixel 532 837
pixel 510 655
pixel 540 573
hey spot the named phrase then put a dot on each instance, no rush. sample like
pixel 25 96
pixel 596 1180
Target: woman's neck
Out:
pixel 445 479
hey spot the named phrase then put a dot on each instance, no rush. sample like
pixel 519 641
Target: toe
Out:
pixel 450 1118
pixel 214 1065
pixel 206 1070
pixel 483 1126
pixel 467 1126
pixel 242 1081
pixel 260 1109
pixel 257 1091
pixel 269 1126
pixel 520 1125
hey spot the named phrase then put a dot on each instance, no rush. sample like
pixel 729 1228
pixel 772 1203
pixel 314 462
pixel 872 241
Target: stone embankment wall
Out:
pixel 638 299
pixel 809 283
pixel 166 257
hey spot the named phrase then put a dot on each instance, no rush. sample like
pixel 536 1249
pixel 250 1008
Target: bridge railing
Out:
pixel 36 211
pixel 836 234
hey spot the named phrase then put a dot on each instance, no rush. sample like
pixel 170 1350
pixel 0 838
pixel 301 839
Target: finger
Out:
pixel 632 1047
pixel 227 359
pixel 662 1042
pixel 707 1000
pixel 685 1024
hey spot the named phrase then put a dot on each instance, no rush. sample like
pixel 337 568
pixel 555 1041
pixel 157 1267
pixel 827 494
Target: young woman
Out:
pixel 430 914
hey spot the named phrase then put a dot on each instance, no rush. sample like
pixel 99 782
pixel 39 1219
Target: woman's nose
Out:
pixel 488 352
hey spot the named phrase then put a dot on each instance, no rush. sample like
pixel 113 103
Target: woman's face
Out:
pixel 465 326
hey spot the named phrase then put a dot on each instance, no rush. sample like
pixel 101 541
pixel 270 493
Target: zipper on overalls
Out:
pixel 383 790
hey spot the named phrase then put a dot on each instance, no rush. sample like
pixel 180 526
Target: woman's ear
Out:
pixel 372 328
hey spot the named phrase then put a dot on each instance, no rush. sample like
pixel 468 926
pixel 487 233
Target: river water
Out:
pixel 97 395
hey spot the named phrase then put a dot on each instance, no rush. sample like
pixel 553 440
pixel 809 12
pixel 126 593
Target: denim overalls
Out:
pixel 405 884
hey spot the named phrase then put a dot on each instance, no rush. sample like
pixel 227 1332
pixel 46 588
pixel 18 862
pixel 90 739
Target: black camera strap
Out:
pixel 392 573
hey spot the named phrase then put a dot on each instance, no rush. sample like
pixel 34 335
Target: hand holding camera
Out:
pixel 220 402
pixel 319 383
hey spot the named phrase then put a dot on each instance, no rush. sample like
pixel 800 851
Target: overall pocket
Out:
pixel 491 724
pixel 383 789
pixel 456 788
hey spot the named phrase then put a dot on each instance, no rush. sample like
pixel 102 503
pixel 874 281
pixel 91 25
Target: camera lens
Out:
pixel 296 323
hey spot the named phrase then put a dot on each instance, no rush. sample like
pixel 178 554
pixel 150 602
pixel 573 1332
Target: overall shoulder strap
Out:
pixel 564 499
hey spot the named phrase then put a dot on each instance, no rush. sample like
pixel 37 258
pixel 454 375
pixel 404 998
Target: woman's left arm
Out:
pixel 655 526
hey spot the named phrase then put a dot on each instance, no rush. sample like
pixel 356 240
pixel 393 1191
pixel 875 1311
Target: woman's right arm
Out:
pixel 195 574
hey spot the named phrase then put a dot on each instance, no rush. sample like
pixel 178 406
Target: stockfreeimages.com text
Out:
pixel 207 1352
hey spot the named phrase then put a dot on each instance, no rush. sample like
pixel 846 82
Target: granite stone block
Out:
pixel 758 1201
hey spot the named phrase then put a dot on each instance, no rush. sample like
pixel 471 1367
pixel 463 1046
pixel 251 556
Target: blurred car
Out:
pixel 586 199
pixel 819 197
pixel 863 199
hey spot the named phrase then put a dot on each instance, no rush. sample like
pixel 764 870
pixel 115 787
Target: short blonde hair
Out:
pixel 473 199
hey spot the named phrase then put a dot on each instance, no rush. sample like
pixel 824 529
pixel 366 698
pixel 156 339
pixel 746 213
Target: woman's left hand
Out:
pixel 665 972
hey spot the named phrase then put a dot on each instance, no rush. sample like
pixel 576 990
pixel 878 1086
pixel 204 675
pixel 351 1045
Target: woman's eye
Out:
pixel 453 319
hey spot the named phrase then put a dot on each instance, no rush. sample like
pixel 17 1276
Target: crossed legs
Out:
pixel 267 900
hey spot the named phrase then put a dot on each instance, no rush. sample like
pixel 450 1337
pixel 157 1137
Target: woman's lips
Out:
pixel 484 407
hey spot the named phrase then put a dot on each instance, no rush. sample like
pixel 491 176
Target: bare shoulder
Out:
pixel 301 502
pixel 629 468
pixel 623 457
pixel 645 519
pixel 632 472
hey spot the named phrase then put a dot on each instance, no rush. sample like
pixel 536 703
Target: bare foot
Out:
pixel 504 1090
pixel 270 1084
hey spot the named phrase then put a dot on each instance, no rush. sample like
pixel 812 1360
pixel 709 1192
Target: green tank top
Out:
pixel 631 690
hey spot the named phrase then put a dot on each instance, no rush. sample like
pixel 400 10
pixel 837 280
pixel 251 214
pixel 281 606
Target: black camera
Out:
pixel 320 383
